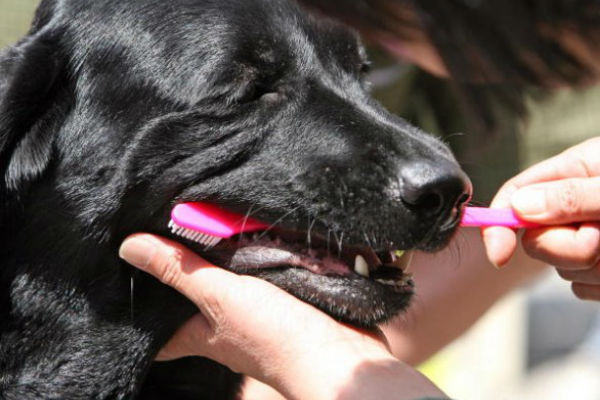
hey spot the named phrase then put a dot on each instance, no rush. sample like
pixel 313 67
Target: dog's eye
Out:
pixel 259 92
pixel 364 71
pixel 365 68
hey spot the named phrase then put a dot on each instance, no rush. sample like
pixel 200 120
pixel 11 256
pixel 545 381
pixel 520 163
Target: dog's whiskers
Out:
pixel 246 216
pixel 308 232
pixel 367 239
pixel 131 294
pixel 338 242
pixel 274 224
pixel 374 237
pixel 477 203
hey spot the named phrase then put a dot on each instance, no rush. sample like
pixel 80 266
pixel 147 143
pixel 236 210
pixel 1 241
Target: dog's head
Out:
pixel 112 112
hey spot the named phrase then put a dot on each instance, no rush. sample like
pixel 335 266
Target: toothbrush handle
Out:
pixel 483 216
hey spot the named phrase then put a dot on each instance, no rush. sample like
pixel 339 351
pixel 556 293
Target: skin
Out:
pixel 561 192
pixel 455 287
pixel 353 364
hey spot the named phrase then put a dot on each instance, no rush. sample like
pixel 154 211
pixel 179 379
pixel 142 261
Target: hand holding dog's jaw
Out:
pixel 289 344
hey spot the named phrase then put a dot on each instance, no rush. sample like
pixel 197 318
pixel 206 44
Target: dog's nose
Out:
pixel 433 189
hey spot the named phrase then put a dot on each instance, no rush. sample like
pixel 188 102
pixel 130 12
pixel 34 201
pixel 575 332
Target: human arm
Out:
pixel 288 344
pixel 562 192
pixel 454 287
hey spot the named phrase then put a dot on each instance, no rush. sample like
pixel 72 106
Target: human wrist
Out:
pixel 324 374
pixel 353 372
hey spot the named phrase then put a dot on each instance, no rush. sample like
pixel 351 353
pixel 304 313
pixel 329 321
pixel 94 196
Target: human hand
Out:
pixel 259 330
pixel 562 192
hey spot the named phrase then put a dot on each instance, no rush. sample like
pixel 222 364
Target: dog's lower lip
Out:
pixel 245 254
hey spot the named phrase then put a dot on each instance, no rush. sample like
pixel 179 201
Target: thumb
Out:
pixel 559 202
pixel 178 267
pixel 190 339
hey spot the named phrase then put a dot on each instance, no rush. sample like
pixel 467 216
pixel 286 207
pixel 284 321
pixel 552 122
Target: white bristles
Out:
pixel 198 237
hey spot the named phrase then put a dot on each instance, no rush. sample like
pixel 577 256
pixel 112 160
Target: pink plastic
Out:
pixel 213 220
pixel 483 216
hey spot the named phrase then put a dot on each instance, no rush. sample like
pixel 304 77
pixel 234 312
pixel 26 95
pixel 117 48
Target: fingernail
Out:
pixel 493 246
pixel 137 252
pixel 529 201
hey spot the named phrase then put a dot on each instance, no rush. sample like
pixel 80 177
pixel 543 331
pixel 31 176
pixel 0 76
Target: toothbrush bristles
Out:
pixel 202 238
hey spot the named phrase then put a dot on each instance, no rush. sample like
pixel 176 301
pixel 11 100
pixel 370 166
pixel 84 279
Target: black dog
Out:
pixel 113 111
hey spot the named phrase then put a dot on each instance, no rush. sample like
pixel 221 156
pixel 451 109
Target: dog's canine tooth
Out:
pixel 360 266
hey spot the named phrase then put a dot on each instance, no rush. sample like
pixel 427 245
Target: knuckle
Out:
pixel 586 292
pixel 569 203
pixel 578 291
pixel 566 275
pixel 170 270
pixel 538 250
pixel 590 252
pixel 212 305
pixel 591 256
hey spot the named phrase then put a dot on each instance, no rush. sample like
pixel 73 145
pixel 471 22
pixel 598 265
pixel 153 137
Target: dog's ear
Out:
pixel 31 77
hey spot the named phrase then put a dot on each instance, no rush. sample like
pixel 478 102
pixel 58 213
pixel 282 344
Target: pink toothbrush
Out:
pixel 483 216
pixel 208 224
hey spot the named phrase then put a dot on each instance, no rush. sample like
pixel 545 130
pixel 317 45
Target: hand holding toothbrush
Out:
pixel 563 195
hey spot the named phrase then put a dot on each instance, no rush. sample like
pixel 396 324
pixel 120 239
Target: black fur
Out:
pixel 113 111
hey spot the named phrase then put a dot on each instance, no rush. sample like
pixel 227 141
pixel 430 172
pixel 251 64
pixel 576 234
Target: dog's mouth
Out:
pixel 353 283
pixel 280 248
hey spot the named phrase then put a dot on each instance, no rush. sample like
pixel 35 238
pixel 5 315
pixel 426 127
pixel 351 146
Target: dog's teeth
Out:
pixel 398 254
pixel 360 266
pixel 402 260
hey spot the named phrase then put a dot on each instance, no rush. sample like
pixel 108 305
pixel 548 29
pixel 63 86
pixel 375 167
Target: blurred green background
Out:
pixel 15 17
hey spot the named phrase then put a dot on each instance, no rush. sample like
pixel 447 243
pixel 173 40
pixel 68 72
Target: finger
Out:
pixel 570 164
pixel 559 202
pixel 585 291
pixel 568 247
pixel 189 340
pixel 178 267
pixel 500 244
pixel 573 163
pixel 589 276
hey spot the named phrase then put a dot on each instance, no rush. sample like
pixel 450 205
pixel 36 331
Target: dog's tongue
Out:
pixel 251 257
